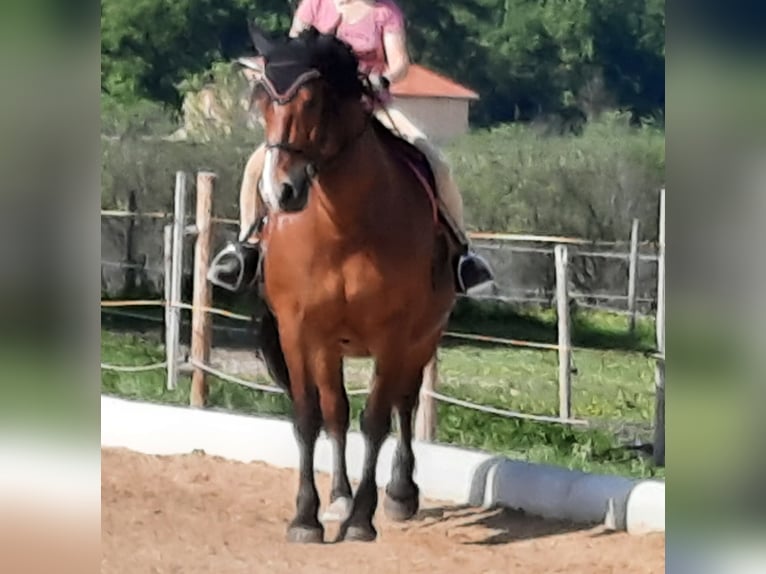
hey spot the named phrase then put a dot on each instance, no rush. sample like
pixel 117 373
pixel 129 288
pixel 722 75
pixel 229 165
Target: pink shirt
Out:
pixel 365 36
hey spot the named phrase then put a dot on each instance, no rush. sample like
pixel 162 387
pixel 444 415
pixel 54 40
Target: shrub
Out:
pixel 515 178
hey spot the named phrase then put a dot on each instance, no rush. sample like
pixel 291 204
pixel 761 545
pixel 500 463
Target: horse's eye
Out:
pixel 311 99
pixel 312 103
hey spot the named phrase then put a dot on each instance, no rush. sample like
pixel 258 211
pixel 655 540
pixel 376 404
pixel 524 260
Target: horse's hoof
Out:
pixel 400 510
pixel 305 534
pixel 338 511
pixel 356 533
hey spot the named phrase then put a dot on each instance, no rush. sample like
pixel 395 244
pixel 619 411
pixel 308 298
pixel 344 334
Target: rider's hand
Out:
pixel 379 82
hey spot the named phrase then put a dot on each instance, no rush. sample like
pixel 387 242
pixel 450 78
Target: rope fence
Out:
pixel 440 397
pixel 255 386
pixel 507 242
pixel 202 309
pixel 533 296
pixel 232 379
pixel 479 235
pixel 246 318
pixel 351 392
pixel 503 412
pixel 134 369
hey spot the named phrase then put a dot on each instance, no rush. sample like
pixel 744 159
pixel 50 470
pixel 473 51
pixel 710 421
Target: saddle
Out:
pixel 415 159
pixel 451 245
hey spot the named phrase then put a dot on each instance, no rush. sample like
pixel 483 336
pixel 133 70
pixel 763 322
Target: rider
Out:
pixel 375 31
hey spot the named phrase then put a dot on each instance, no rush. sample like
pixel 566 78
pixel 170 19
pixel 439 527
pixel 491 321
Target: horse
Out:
pixel 355 262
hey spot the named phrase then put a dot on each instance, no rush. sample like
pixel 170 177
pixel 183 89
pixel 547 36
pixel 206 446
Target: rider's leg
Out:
pixel 235 265
pixel 474 273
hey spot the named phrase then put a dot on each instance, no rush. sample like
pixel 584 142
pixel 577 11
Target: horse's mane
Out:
pixel 311 50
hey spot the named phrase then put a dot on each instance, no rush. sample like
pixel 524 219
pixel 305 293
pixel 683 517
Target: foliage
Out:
pixel 527 58
pixel 513 177
pixel 149 46
pixel 148 167
pixel 517 178
pixel 140 117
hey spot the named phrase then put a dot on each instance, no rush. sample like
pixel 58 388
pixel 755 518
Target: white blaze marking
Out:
pixel 270 188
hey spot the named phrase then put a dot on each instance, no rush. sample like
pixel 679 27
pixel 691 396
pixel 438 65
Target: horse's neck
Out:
pixel 346 190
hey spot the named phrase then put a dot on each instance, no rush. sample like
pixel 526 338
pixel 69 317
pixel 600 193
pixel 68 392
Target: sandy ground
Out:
pixel 196 513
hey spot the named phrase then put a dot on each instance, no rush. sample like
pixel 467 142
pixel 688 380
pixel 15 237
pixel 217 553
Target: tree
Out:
pixel 148 46
pixel 527 58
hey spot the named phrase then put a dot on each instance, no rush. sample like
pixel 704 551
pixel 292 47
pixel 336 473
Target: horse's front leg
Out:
pixel 305 527
pixel 335 413
pixel 376 424
pixel 307 421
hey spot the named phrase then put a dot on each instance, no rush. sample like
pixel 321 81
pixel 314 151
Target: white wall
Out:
pixel 441 119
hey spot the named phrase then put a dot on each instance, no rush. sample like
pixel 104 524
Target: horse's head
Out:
pixel 309 95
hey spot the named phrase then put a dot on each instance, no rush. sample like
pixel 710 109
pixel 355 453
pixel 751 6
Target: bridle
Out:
pixel 285 97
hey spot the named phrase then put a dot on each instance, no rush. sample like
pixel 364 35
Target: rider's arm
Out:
pixel 395 44
pixel 304 17
pixel 397 56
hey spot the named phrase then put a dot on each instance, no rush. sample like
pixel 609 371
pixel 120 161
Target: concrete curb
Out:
pixel 443 472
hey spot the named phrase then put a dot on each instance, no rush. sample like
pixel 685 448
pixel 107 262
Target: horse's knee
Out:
pixel 307 417
pixel 335 412
pixel 375 423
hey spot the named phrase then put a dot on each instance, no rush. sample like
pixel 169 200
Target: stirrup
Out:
pixel 218 267
pixel 230 260
pixel 474 275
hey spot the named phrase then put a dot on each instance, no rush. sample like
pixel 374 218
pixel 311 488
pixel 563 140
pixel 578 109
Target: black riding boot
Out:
pixel 235 266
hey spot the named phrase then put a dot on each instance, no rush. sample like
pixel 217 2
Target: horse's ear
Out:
pixel 262 44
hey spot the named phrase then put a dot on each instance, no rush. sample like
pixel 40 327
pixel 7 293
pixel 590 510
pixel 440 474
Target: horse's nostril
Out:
pixel 292 195
pixel 287 191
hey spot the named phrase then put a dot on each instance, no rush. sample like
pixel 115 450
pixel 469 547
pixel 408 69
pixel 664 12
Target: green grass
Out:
pixel 614 385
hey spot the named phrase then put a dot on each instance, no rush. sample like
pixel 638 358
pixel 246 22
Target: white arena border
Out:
pixel 445 473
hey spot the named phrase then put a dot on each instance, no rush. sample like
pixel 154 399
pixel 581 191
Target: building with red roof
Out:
pixel 435 103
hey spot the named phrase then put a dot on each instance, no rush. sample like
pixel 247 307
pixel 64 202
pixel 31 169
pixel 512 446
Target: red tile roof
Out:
pixel 419 82
pixel 422 82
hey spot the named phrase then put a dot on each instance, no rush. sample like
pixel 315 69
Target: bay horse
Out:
pixel 355 263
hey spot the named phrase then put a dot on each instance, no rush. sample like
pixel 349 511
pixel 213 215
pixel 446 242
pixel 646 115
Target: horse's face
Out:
pixel 307 88
pixel 292 130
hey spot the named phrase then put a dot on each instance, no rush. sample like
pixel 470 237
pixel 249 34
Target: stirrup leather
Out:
pixel 458 235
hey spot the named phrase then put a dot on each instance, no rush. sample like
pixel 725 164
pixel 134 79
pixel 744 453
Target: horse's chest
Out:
pixel 344 280
pixel 349 287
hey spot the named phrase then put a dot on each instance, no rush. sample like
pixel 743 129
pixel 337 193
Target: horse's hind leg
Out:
pixel 269 348
pixel 402 498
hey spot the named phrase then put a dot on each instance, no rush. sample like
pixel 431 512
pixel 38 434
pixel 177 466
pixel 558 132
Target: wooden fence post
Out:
pixel 202 324
pixel 565 348
pixel 173 328
pixel 130 246
pixel 659 369
pixel 633 276
pixel 425 418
